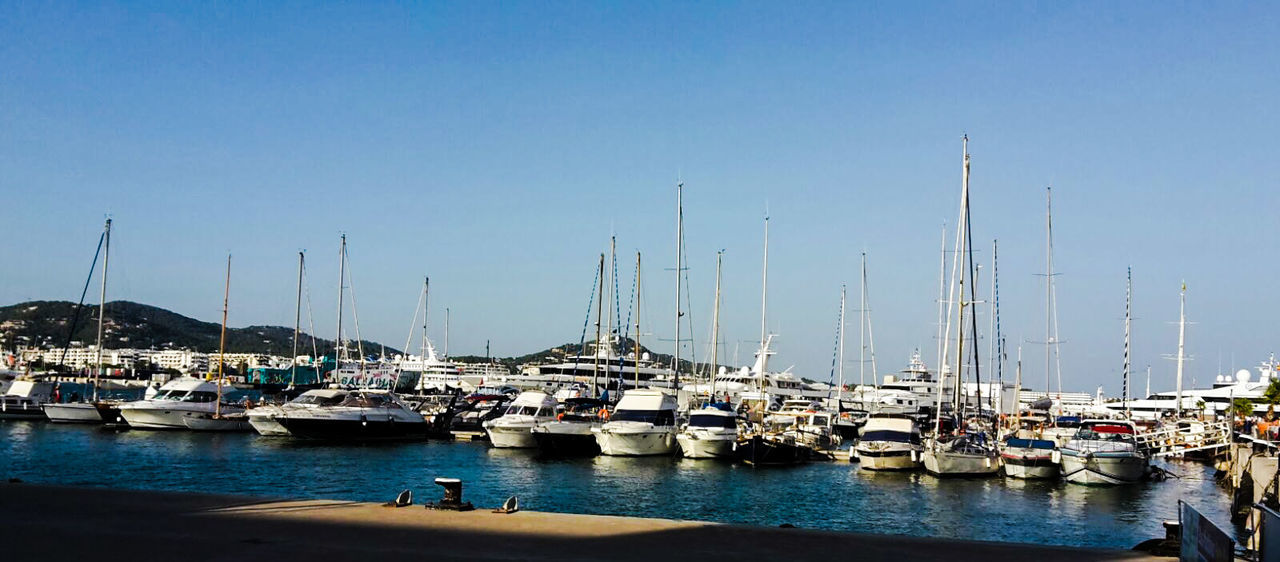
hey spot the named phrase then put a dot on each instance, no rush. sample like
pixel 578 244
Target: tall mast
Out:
pixel 996 348
pixel 942 298
pixel 102 304
pixel 635 343
pixel 595 370
pixel 955 264
pixel 222 340
pixel 613 271
pixel 446 332
pixel 866 307
pixel 297 325
pixel 679 246
pixel 1017 393
pixel 764 301
pixel 1182 340
pixel 840 348
pixel 862 325
pixel 1128 299
pixel 961 256
pixel 715 329
pixel 426 302
pixel 339 351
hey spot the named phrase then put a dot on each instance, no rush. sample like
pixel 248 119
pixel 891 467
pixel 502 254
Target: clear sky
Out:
pixel 495 147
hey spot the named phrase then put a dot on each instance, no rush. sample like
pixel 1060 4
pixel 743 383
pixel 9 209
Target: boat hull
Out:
pixel 887 459
pixel 1033 466
pixel 266 425
pixel 148 418
pixel 559 439
pixel 947 463
pixel 210 423
pixel 695 446
pixel 758 451
pixel 1101 469
pixel 78 412
pixel 25 411
pixel 354 430
pixel 511 436
pixel 636 442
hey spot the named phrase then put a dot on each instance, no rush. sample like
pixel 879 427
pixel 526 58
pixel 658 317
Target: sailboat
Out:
pixel 218 420
pixel 763 444
pixel 94 409
pixel 964 454
pixel 712 431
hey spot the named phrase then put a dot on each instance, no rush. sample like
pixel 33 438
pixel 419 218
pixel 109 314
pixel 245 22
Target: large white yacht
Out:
pixel 779 386
pixel 180 398
pixel 917 380
pixel 644 423
pixel 711 433
pixel 513 429
pixel 604 368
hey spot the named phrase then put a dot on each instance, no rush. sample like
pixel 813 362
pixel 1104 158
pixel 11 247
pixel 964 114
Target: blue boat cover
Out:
pixel 1031 443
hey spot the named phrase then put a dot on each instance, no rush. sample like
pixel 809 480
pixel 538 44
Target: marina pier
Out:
pixel 109 524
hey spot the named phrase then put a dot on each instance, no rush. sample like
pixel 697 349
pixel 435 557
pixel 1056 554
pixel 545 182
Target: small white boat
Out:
pixel 1104 452
pixel 711 433
pixel 101 411
pixel 180 398
pixel 1029 458
pixel 513 429
pixel 644 423
pixel 889 442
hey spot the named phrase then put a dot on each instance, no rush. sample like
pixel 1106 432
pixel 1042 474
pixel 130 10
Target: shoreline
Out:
pixel 120 524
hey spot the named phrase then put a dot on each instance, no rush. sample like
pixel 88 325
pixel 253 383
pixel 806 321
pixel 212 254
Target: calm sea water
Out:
pixel 833 495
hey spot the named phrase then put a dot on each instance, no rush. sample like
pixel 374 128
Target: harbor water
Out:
pixel 825 495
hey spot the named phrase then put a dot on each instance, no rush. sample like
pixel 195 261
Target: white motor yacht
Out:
pixel 889 442
pixel 363 415
pixel 644 423
pixel 24 399
pixel 712 433
pixel 263 418
pixel 1104 452
pixel 180 398
pixel 513 428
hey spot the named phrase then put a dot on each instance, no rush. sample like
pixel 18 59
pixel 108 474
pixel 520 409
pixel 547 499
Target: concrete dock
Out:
pixel 49 523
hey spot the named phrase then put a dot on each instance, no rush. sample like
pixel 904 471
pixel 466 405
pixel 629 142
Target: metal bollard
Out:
pixel 452 496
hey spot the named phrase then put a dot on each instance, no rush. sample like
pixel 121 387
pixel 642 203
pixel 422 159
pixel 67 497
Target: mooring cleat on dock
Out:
pixel 404 499
pixel 512 505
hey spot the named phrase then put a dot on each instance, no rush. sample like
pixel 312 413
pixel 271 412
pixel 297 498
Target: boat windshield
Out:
pixel 169 395
pixel 1089 434
pixel 200 396
pixel 893 436
pixel 320 400
pixel 704 420
pixel 655 417
pixel 524 411
pixel 369 401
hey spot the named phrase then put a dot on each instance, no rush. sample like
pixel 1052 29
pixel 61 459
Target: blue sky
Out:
pixel 495 147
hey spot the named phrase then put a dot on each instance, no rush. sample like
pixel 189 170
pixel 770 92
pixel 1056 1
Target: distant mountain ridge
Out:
pixel 140 326
pixel 134 325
